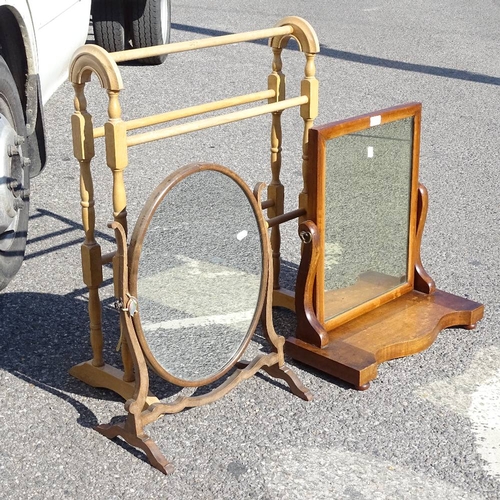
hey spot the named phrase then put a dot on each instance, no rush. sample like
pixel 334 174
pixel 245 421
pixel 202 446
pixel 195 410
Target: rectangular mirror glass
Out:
pixel 366 174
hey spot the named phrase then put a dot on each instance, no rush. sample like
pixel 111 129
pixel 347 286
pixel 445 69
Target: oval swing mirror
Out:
pixel 199 272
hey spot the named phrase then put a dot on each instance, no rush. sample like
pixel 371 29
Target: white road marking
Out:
pixel 333 252
pixel 200 288
pixel 339 473
pixel 484 412
pixel 475 394
pixel 218 319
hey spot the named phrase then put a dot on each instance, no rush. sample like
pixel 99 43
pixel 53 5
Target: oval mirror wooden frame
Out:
pixel 143 408
pixel 135 249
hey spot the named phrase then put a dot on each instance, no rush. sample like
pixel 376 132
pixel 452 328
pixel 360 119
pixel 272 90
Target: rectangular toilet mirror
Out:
pixel 364 181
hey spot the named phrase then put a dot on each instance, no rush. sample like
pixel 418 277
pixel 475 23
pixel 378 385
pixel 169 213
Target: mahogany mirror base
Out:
pixel 404 326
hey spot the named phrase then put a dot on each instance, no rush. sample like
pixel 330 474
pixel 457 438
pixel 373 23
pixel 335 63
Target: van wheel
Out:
pixel 149 22
pixel 14 178
pixel 108 19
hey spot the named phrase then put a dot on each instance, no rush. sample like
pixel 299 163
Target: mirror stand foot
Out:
pixel 144 443
pixel 108 377
pixel 287 375
pixel 363 387
pixel 468 327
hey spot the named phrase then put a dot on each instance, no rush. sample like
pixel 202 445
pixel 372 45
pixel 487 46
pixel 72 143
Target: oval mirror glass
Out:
pixel 197 270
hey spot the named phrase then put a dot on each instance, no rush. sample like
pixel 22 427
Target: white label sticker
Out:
pixel 242 235
pixel 370 152
pixel 375 120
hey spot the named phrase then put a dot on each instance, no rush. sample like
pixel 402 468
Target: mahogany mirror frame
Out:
pixel 404 320
pixel 318 139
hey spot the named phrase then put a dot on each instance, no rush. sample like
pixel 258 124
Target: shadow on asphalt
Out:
pixel 343 55
pixel 43 336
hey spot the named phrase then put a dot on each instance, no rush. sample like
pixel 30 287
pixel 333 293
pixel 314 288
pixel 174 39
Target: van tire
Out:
pixel 108 19
pixel 149 22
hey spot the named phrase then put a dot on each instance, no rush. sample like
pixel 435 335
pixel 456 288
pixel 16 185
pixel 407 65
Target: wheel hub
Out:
pixel 165 11
pixel 10 188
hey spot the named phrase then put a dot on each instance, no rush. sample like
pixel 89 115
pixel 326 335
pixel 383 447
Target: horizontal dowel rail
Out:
pixel 192 111
pixel 216 120
pixel 267 204
pixel 203 43
pixel 107 258
pixel 280 219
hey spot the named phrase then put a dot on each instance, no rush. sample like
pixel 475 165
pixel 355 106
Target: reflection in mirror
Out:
pixel 368 192
pixel 199 276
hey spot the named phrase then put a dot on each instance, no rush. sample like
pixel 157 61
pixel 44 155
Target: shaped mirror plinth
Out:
pixel 362 294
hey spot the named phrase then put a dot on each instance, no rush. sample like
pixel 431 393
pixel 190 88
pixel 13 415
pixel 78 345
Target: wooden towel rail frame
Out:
pixel 91 59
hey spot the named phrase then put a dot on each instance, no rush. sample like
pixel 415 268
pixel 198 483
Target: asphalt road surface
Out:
pixel 429 426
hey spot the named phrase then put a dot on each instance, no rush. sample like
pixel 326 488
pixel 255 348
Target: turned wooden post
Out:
pixel 83 149
pixel 276 190
pixel 115 134
pixel 308 112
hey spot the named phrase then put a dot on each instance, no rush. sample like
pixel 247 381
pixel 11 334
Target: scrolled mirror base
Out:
pixel 286 374
pixel 144 442
pixel 132 429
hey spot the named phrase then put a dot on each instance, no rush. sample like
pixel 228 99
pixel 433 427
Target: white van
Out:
pixel 37 41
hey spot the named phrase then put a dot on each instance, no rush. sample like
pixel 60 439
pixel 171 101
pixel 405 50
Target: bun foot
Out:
pixel 363 387
pixel 468 327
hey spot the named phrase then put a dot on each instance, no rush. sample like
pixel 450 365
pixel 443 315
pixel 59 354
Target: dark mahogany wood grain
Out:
pixel 347 333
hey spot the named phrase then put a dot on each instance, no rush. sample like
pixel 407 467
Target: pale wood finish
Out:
pixel 302 32
pixel 289 27
pixel 108 377
pixel 236 116
pixel 284 298
pixel 90 59
pixel 191 111
pixel 175 48
pixel 81 123
pixel 93 59
pixel 308 112
pixel 276 190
